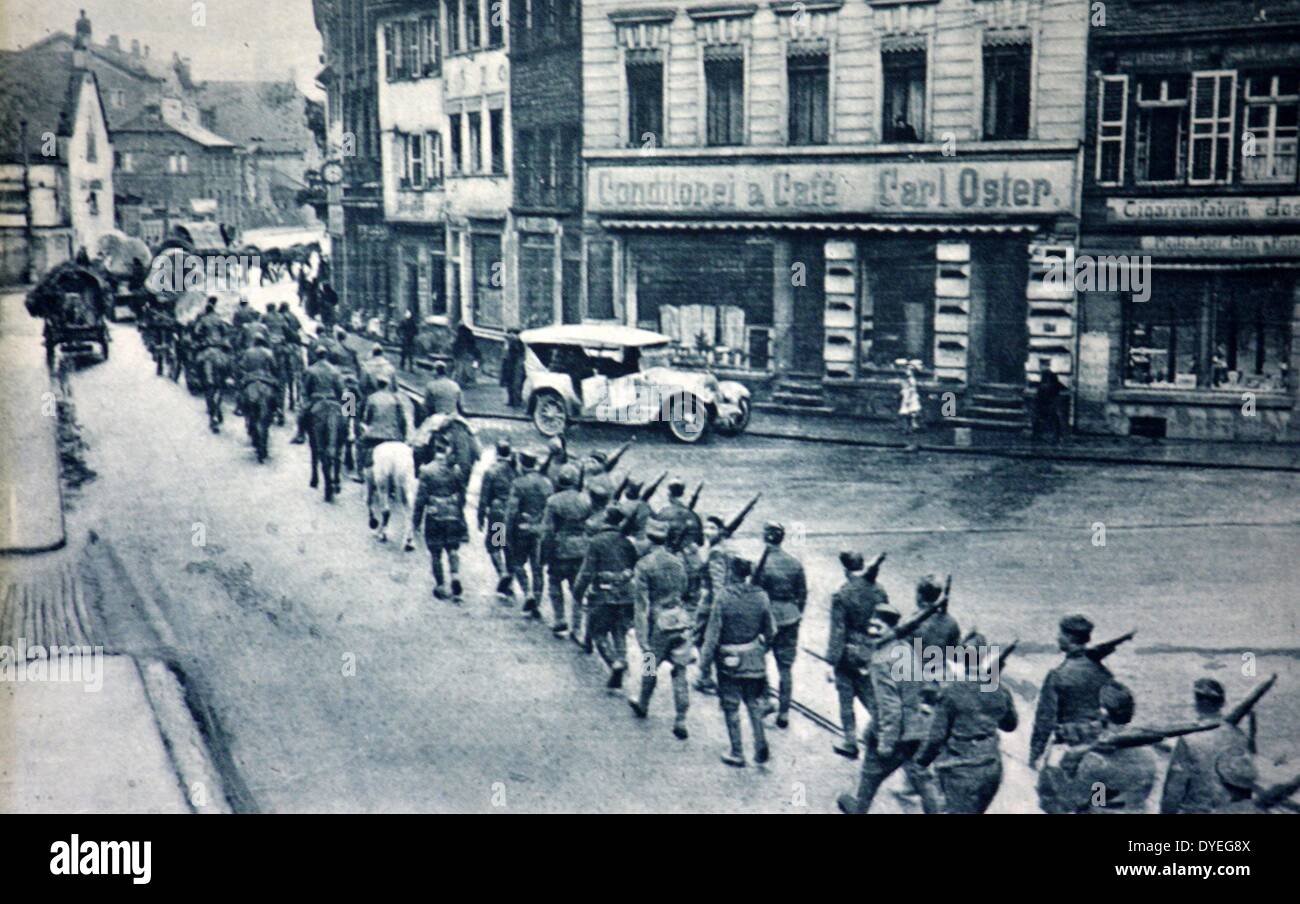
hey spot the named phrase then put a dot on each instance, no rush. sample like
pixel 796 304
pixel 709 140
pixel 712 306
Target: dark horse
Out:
pixel 214 366
pixel 326 428
pixel 259 403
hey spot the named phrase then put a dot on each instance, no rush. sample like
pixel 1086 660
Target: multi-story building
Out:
pixel 56 160
pixel 816 189
pixel 1190 181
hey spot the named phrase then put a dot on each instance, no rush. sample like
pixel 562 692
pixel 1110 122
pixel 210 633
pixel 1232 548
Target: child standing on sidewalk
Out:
pixel 909 407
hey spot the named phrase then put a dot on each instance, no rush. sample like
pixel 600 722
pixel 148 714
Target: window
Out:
pixel 1269 147
pixel 473 25
pixel 415 161
pixel 438 279
pixel 454 40
pixel 1229 331
pixel 1213 96
pixel 1159 147
pixel 413 44
pixel 489 278
pixel 495 27
pixel 474 152
pixel 645 101
pixel 1112 118
pixel 724 85
pixel 392 52
pixel 600 280
pixel 457 158
pixel 496 141
pixel 569 160
pixel 903 113
pixel 118 98
pixel 433 157
pixel 430 47
pixel 536 279
pixel 1006 92
pixel 809 78
pixel 400 164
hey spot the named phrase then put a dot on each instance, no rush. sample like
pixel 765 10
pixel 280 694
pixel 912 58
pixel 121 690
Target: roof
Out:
pixel 593 334
pixel 152 120
pixel 268 116
pixel 41 87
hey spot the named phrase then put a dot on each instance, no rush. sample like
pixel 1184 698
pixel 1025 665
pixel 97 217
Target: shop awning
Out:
pixel 818 226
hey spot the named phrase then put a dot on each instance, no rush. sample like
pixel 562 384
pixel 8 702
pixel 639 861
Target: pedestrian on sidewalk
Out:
pixel 1048 414
pixel 327 302
pixel 909 396
pixel 512 369
pixel 407 330
pixel 465 356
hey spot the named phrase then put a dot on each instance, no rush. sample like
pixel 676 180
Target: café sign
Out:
pixel 932 188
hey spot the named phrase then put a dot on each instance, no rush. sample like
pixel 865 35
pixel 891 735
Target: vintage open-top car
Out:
pixel 623 375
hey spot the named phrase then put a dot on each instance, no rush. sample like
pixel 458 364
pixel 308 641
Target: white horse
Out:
pixel 390 478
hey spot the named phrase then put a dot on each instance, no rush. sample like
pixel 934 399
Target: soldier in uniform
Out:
pixel 442 496
pixel 442 394
pixel 525 509
pixel 1069 707
pixel 782 578
pixel 683 524
pixel 636 514
pixel 898 723
pixel 1192 785
pixel 376 372
pixel 209 329
pixel 257 364
pixel 493 499
pixel 598 498
pixel 595 479
pixel 1109 780
pixel 963 739
pixel 557 456
pixel 384 419
pixel 320 381
pixel 939 630
pixel 564 544
pixel 604 584
pixel 740 627
pixel 290 323
pixel 663 627
pixel 713 576
pixel 850 644
pixel 244 314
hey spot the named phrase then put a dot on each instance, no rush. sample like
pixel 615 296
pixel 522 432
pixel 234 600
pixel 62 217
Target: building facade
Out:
pixel 815 190
pixel 1190 170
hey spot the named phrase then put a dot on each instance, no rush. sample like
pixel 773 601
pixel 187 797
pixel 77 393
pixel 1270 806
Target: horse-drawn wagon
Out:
pixel 73 300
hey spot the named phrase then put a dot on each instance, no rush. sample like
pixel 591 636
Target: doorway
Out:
pixel 808 320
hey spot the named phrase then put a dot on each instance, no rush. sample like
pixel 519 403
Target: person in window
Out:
pixel 903 131
pixel 1048 415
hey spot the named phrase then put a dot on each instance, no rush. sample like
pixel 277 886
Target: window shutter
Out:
pixel 1210 150
pixel 1112 123
pixel 399 159
pixel 390 70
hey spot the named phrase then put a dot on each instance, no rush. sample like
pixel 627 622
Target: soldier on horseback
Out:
pixel 322 418
pixel 212 358
pixel 258 391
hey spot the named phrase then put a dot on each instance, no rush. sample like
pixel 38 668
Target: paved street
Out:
pixel 340 685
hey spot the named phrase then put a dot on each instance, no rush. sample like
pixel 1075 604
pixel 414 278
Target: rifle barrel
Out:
pixel 1242 709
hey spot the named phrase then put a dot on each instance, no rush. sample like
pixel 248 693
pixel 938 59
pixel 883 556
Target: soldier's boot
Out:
pixel 848 747
pixel 736 755
pixel 457 591
pixel 559 627
pixel 785 693
pixel 641 705
pixel 681 702
pixel 616 673
pixel 438 592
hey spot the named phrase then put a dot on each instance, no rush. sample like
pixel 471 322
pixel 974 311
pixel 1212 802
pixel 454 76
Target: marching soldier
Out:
pixel 1069 705
pixel 663 626
pixel 320 382
pixel 850 644
pixel 383 420
pixel 636 514
pixel 740 627
pixel 244 314
pixel 257 364
pixel 557 456
pixel 1103 779
pixel 598 498
pixel 939 630
pixel 291 325
pixel 898 722
pixel 564 544
pixel 782 578
pixel 595 479
pixel 209 329
pixel 963 736
pixel 493 500
pixel 1192 785
pixel 440 502
pixel 604 584
pixel 525 510
pixel 376 372
pixel 683 524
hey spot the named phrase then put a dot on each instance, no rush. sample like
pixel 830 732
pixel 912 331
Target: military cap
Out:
pixel 592 467
pixel 503 447
pixel 1236 770
pixel 598 456
pixel 888 614
pixel 1117 700
pixel 741 567
pixel 677 486
pixel 1077 627
pixel 774 530
pixel 556 444
pixel 440 367
pixel 377 350
pixel 567 476
pixel 852 561
pixel 613 516
pixel 656 530
pixel 1208 689
pixel 928 588
pixel 527 459
pixel 599 491
pixel 634 487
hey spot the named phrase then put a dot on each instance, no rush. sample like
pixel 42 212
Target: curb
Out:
pixel 199 779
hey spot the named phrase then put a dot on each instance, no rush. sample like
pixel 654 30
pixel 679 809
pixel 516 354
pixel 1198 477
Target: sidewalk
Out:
pixel 487 399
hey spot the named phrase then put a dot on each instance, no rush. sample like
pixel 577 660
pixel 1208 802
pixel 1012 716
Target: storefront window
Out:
pixel 1215 331
pixel 899 276
pixel 489 279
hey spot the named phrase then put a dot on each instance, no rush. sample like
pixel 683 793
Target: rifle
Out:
pixel 874 568
pixel 618 494
pixel 612 461
pixel 1242 709
pixel 758 569
pixel 695 497
pixel 1143 737
pixel 1002 658
pixel 653 488
pixel 942 604
pixel 734 524
pixel 907 627
pixel 1100 651
pixel 1277 793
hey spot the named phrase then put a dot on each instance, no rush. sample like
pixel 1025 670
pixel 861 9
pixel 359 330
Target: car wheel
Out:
pixel 689 419
pixel 550 414
pixel 735 425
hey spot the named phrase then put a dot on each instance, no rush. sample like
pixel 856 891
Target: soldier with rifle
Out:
pixel 525 508
pixel 1115 772
pixel 493 498
pixel 782 577
pixel 850 645
pixel 662 624
pixel 564 545
pixel 898 723
pixel 557 456
pixel 604 585
pixel 684 525
pixel 1191 784
pixel 1237 774
pixel 962 743
pixel 1069 707
pixel 715 575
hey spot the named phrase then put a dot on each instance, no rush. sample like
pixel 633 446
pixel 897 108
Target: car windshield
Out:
pixel 656 356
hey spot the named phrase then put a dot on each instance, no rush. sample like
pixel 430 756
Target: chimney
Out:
pixel 114 43
pixel 135 47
